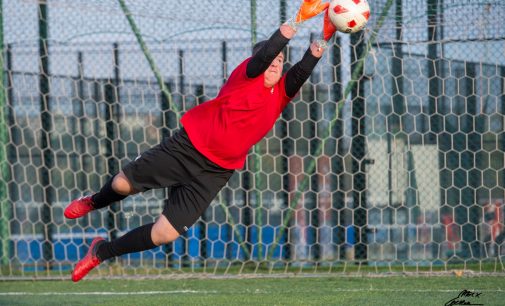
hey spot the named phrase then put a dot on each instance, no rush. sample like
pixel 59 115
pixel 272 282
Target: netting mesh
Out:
pixel 392 154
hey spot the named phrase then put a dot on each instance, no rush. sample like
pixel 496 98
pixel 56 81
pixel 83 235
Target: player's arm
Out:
pixel 300 72
pixel 262 59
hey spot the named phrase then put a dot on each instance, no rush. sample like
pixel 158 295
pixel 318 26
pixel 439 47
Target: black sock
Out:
pixel 136 240
pixel 106 196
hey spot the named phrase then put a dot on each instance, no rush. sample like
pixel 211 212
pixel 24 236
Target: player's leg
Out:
pixel 183 210
pixel 185 204
pixel 142 238
pixel 116 189
pixel 195 182
pixel 157 167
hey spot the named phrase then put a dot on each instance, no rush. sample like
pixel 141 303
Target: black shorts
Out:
pixel 194 180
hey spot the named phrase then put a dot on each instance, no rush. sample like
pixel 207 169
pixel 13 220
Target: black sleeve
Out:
pixel 264 57
pixel 299 73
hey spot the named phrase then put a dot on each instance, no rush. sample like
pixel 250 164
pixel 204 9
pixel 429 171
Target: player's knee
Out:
pixel 121 185
pixel 163 236
pixel 163 232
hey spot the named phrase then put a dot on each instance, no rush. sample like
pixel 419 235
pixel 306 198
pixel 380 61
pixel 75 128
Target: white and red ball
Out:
pixel 349 16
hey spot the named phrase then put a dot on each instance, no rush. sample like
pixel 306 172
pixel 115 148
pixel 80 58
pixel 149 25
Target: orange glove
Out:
pixel 328 30
pixel 328 27
pixel 309 9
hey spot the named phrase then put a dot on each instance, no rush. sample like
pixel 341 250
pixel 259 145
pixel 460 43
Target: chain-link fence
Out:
pixel 391 156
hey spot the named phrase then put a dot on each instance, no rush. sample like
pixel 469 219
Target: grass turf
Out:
pixel 339 290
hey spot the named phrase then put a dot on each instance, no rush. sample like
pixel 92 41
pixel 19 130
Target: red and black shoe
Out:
pixel 79 207
pixel 89 261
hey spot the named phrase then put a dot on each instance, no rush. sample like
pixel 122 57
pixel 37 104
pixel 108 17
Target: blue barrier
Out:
pixel 221 243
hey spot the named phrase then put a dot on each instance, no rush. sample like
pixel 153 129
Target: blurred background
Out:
pixel 391 155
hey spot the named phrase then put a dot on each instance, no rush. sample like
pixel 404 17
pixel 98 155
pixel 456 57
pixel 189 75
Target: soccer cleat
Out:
pixel 89 261
pixel 79 207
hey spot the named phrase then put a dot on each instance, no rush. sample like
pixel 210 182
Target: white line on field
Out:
pixel 107 293
pixel 419 290
pixel 248 291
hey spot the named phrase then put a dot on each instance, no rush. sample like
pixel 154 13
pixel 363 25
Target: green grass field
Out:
pixel 338 290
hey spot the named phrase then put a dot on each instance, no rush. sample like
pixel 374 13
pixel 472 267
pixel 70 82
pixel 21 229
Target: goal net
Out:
pixel 391 158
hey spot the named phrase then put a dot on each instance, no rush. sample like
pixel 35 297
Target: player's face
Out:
pixel 274 72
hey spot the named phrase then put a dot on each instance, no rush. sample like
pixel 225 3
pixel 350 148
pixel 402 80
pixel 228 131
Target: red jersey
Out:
pixel 225 128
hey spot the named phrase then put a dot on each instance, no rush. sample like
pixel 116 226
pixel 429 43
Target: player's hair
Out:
pixel 257 46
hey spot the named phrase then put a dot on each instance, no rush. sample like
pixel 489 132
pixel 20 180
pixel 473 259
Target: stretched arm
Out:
pixel 267 53
pixel 301 71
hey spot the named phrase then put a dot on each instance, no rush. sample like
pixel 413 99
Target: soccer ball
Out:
pixel 349 16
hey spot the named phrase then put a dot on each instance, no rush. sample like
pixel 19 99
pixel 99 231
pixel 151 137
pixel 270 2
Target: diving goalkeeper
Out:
pixel 199 159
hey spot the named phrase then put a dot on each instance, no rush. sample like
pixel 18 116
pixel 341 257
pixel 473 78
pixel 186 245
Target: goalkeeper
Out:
pixel 199 159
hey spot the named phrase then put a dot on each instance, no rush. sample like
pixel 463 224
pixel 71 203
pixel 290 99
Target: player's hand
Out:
pixel 328 30
pixel 328 27
pixel 309 9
